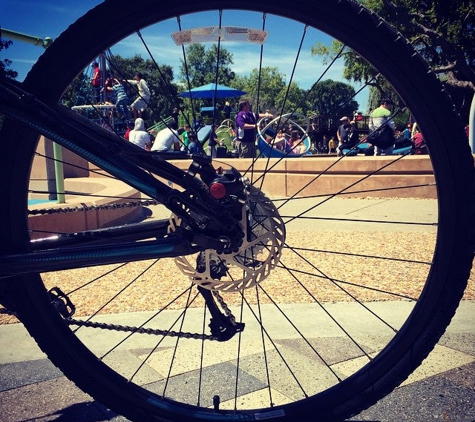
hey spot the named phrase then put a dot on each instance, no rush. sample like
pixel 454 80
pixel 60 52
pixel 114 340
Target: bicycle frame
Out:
pixel 211 222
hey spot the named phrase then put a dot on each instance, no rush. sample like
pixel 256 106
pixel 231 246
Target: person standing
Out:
pixel 325 149
pixel 407 132
pixel 121 100
pixel 227 111
pixel 382 116
pixel 107 94
pixel 96 80
pixel 141 102
pixel 331 145
pixel 185 137
pixel 246 125
pixel 175 114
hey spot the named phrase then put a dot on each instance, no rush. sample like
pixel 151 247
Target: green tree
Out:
pixel 357 70
pixel 268 89
pixel 199 68
pixel 290 99
pixel 332 98
pixel 444 34
pixel 78 93
pixel 442 31
pixel 201 64
pixel 5 72
pixel 5 64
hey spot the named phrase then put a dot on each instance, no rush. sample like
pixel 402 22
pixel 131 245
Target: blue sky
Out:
pixel 48 18
pixel 39 18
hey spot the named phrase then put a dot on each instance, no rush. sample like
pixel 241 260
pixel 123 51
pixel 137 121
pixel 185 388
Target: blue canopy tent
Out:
pixel 212 91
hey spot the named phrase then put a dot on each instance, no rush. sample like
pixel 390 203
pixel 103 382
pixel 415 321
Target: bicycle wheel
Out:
pixel 330 327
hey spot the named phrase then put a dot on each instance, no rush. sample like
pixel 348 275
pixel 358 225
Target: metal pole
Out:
pixel 57 149
pixel 8 33
pixel 59 173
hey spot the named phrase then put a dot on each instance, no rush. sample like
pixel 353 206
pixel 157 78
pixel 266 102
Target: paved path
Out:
pixel 442 389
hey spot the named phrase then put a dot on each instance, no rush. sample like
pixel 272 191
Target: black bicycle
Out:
pixel 252 307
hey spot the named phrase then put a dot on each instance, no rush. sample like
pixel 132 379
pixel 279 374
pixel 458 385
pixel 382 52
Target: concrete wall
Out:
pixel 321 175
pixel 42 176
pixel 315 175
pixel 106 191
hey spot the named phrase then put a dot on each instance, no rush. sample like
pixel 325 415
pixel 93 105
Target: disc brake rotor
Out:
pixel 259 253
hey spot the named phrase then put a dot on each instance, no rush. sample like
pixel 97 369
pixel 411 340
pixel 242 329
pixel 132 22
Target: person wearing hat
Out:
pixel 343 133
pixel 382 116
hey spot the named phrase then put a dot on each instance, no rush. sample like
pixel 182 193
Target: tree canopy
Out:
pixel 442 31
pixel 332 98
pixel 444 34
pixel 6 63
pixel 264 89
pixel 199 67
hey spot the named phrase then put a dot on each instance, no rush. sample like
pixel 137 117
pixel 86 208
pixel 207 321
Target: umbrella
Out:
pixel 212 91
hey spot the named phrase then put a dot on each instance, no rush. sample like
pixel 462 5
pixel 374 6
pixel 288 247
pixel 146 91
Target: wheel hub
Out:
pixel 259 253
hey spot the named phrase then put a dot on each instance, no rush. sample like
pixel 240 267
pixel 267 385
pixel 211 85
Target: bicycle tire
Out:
pixel 453 168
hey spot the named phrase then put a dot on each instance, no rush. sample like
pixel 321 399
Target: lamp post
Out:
pixel 57 150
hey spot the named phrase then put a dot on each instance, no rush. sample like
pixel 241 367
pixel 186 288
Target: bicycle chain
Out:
pixel 224 306
pixel 84 207
pixel 152 331
pixel 125 328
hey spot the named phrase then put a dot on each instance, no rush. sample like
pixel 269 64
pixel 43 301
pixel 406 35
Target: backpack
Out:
pixel 383 137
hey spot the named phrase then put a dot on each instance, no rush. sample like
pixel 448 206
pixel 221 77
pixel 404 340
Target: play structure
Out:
pixel 284 136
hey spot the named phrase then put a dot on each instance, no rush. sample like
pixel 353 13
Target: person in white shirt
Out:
pixel 168 139
pixel 141 102
pixel 138 135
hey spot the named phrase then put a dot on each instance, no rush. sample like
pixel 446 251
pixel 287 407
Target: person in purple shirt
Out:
pixel 246 125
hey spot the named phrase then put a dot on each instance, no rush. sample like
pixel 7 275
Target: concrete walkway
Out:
pixel 442 389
